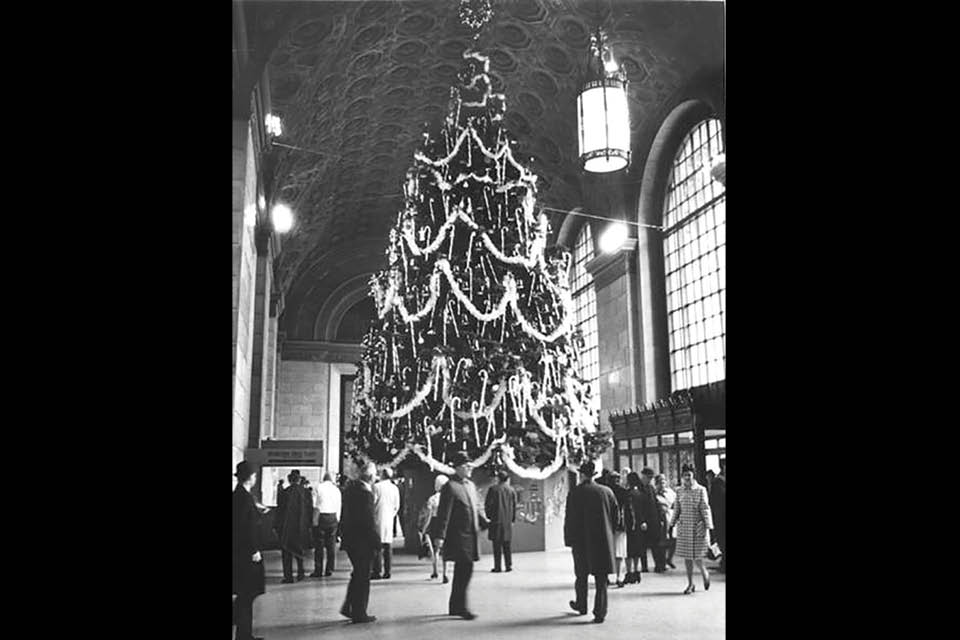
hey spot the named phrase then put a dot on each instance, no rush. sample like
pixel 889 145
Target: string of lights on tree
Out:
pixel 473 347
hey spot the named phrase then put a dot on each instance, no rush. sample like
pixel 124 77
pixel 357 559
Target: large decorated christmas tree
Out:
pixel 473 347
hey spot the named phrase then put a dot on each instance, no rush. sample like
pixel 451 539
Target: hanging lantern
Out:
pixel 603 118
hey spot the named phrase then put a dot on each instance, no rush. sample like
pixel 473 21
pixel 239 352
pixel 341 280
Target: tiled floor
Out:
pixel 529 602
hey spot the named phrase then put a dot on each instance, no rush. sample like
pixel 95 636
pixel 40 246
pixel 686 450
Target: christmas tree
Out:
pixel 473 348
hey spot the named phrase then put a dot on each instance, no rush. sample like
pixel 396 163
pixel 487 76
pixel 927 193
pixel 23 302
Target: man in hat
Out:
pixel 459 520
pixel 588 530
pixel 248 575
pixel 360 540
pixel 292 523
pixel 501 509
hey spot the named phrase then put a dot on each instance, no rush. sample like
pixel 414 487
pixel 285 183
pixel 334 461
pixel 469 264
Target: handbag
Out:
pixel 714 552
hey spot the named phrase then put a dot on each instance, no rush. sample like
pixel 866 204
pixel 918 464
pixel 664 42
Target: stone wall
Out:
pixel 302 400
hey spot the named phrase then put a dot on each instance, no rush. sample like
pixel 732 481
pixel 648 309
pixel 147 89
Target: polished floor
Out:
pixel 529 602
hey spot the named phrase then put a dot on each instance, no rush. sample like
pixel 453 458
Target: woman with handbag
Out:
pixel 619 528
pixel 666 498
pixel 694 522
pixel 428 525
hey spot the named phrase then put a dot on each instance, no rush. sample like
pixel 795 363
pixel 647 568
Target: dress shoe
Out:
pixel 644 570
pixel 706 583
pixel 287 581
pixel 573 605
pixel 598 619
pixel 433 575
pixel 690 589
pixel 328 574
pixel 301 577
pixel 386 576
pixel 376 576
pixel 446 579
pixel 315 574
pixel 509 569
pixel 364 619
pixel 466 615
pixel 496 570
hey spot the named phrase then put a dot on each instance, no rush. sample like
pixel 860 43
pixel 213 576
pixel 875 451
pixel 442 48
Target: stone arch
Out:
pixel 336 306
pixel 681 118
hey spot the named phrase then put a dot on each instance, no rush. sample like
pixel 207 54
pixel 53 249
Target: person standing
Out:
pixel 429 526
pixel 361 539
pixel 459 521
pixel 386 505
pixel 650 535
pixel 248 575
pixel 666 498
pixel 293 526
pixel 718 506
pixel 588 531
pixel 501 510
pixel 326 521
pixel 693 520
pixel 624 510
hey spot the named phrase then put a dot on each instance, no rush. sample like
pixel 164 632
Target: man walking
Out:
pixel 293 526
pixel 248 575
pixel 386 505
pixel 588 530
pixel 360 541
pixel 459 521
pixel 326 520
pixel 501 510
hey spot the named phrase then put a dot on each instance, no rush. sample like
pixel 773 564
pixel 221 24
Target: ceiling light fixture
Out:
pixel 282 218
pixel 603 117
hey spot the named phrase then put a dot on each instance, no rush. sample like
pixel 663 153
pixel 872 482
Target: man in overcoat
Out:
pixel 647 513
pixel 386 506
pixel 248 575
pixel 588 530
pixel 501 510
pixel 294 515
pixel 459 521
pixel 718 505
pixel 360 540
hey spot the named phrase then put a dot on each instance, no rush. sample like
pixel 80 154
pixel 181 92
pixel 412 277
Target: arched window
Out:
pixel 694 248
pixel 585 310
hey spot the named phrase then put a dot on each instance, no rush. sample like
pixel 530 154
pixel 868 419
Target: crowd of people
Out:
pixel 611 522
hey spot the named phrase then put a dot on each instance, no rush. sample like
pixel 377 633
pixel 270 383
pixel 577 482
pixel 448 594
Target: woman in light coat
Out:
pixel 694 522
pixel 386 505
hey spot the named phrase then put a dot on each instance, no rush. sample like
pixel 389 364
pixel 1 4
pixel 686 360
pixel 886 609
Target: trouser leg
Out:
pixel 376 561
pixel 600 599
pixel 643 553
pixel 244 617
pixel 507 557
pixel 287 559
pixel 462 572
pixel 330 544
pixel 580 584
pixel 387 558
pixel 497 554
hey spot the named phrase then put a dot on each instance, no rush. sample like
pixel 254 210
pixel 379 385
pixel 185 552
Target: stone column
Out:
pixel 269 393
pixel 244 279
pixel 260 330
pixel 618 331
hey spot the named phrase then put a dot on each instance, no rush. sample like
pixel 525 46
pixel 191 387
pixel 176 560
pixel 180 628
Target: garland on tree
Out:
pixel 473 347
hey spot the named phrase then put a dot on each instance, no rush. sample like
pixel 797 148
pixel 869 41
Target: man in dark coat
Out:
pixel 501 510
pixel 588 530
pixel 718 505
pixel 648 515
pixel 360 540
pixel 459 520
pixel 292 522
pixel 248 575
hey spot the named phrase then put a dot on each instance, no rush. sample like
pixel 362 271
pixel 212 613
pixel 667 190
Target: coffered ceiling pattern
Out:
pixel 358 84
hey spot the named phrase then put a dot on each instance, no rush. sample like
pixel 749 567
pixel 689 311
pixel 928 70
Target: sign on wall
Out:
pixel 287 453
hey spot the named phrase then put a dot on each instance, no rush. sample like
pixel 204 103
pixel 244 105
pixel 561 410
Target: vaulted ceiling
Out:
pixel 357 85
